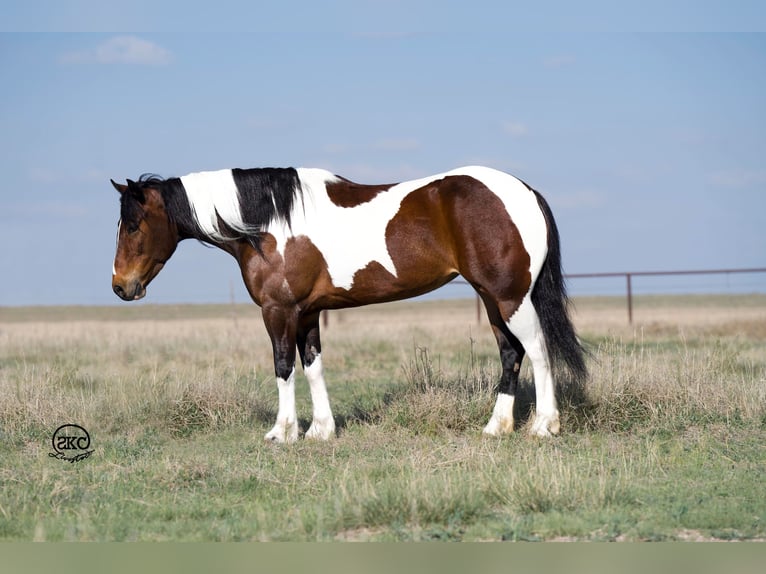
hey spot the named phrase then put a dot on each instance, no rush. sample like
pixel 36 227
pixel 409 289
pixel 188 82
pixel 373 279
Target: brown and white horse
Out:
pixel 307 240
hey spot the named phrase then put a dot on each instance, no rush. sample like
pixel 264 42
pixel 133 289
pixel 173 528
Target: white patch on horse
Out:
pixel 348 238
pixel 501 422
pixel 323 425
pixel 213 195
pixel 525 325
pixel 286 428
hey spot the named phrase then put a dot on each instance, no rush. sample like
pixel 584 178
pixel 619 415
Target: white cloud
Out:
pixel 515 129
pixel 132 50
pixel 123 50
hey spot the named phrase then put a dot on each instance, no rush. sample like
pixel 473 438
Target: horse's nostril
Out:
pixel 119 291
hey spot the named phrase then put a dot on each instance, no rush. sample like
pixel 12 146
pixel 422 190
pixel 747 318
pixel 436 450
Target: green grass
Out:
pixel 668 446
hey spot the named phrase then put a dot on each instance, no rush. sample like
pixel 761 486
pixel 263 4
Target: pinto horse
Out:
pixel 307 240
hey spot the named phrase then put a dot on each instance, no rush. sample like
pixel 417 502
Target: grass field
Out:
pixel 670 445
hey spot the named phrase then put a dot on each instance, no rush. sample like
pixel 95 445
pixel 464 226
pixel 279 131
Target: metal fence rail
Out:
pixel 628 275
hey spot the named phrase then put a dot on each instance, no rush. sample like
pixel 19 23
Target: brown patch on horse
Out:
pixel 451 226
pixel 310 281
pixel 457 225
pixel 345 193
pixel 375 284
pixel 262 272
pixel 307 272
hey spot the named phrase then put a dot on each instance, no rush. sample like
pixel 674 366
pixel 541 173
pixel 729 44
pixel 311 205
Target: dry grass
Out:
pixel 713 315
pixel 201 372
pixel 178 398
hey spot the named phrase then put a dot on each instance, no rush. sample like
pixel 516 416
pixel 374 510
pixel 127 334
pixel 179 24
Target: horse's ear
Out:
pixel 132 187
pixel 136 191
pixel 119 187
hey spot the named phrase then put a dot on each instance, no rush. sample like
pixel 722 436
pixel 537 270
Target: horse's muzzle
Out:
pixel 132 291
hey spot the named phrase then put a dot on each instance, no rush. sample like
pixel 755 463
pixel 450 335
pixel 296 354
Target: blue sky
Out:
pixel 649 146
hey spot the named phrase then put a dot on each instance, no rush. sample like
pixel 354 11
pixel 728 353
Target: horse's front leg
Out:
pixel 323 425
pixel 281 325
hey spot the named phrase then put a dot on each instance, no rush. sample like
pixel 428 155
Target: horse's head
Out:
pixel 146 238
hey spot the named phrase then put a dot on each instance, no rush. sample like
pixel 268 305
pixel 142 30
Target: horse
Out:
pixel 307 240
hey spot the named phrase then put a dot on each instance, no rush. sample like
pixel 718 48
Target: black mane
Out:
pixel 176 204
pixel 265 195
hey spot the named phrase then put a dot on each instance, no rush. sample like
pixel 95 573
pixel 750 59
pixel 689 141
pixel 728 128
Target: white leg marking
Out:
pixel 286 428
pixel 323 425
pixel 501 422
pixel 526 326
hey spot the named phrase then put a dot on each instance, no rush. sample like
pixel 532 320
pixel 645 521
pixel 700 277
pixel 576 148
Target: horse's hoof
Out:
pixel 546 425
pixel 321 430
pixel 280 435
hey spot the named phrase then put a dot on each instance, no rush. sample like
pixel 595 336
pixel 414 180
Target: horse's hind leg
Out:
pixel 525 325
pixel 511 355
pixel 520 335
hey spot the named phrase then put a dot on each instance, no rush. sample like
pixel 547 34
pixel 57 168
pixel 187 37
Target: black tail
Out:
pixel 549 297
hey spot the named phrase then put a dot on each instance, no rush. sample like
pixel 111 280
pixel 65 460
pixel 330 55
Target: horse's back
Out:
pixel 407 238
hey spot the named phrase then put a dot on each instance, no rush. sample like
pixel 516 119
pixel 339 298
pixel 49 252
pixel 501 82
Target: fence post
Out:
pixel 630 298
